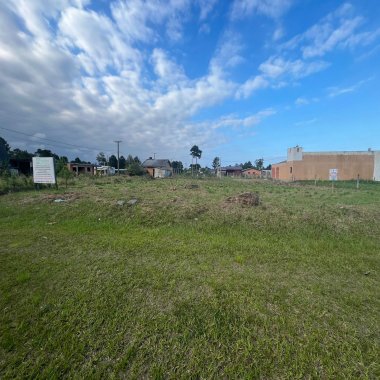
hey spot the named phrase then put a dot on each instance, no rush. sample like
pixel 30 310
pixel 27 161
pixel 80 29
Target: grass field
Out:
pixel 186 285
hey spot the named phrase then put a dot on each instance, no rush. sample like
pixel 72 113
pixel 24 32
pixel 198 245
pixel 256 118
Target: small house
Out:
pixel 231 171
pixel 158 168
pixel 251 173
pixel 105 170
pixel 81 168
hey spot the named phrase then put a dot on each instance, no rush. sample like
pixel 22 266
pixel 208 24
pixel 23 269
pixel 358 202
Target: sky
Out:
pixel 242 79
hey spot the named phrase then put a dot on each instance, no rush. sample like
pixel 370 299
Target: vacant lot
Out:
pixel 185 284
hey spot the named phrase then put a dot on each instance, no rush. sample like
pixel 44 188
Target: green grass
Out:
pixel 185 285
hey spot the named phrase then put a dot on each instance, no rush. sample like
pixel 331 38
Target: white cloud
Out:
pixel 275 67
pixel 338 30
pixel 305 122
pixel 88 83
pixel 278 33
pixel 137 19
pixel 251 85
pixel 167 70
pixel 248 121
pixel 277 72
pixel 301 101
pixel 269 8
pixel 228 53
pixel 206 7
pixel 337 91
pixel 324 38
pixel 100 43
pixel 76 75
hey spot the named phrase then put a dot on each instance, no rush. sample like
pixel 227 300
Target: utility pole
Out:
pixel 118 161
pixel 154 156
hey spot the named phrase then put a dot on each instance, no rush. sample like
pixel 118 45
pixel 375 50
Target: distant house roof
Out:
pixel 156 163
pixel 231 168
pixel 246 170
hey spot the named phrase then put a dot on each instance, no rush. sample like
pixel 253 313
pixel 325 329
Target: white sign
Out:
pixel 333 174
pixel 43 170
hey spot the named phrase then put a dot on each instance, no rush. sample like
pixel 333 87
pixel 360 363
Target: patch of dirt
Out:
pixel 192 186
pixel 72 196
pixel 246 199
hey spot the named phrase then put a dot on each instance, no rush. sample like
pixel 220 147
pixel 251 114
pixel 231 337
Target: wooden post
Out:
pixel 357 182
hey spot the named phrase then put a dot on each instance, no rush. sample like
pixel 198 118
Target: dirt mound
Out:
pixel 246 199
pixel 192 186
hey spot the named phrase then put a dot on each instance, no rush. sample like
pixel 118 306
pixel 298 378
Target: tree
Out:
pixel 216 163
pixel 5 145
pixel 259 164
pixel 247 165
pixel 177 166
pixel 4 154
pixel 21 154
pixel 130 160
pixel 112 161
pixel 65 173
pixel 195 167
pixel 269 167
pixel 196 153
pixel 46 153
pixel 101 158
pixel 135 169
pixel 122 162
pixel 136 159
pixel 61 164
pixel 77 160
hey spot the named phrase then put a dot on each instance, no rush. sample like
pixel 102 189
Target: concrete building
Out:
pixel 158 168
pixel 81 168
pixel 251 173
pixel 231 171
pixel 344 165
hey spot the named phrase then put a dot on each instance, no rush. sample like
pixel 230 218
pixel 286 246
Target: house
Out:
pixel 231 171
pixel 81 168
pixel 251 173
pixel 345 165
pixel 104 170
pixel 158 168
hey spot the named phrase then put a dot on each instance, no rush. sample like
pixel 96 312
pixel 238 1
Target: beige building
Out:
pixel 302 165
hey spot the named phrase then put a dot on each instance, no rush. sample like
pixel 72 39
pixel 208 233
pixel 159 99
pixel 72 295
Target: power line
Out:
pixel 46 139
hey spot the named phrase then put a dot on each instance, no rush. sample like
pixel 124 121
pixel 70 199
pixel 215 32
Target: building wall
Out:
pixel 317 166
pixel 160 172
pixel 252 172
pixel 81 169
pixel 150 171
pixel 281 171
pixel 376 169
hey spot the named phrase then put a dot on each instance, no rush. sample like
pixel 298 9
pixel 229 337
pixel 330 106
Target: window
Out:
pixel 291 169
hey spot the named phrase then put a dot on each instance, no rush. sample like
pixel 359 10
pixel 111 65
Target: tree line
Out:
pixel 132 164
pixel 258 164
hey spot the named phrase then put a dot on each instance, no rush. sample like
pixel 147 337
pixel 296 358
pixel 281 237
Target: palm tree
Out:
pixel 196 153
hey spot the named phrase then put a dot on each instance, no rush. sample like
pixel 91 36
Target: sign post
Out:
pixel 333 176
pixel 43 170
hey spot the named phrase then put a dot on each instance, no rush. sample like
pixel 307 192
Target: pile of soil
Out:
pixel 192 186
pixel 246 199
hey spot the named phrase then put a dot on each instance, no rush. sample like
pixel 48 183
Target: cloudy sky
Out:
pixel 241 79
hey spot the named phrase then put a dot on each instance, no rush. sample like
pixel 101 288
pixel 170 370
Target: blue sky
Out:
pixel 241 79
